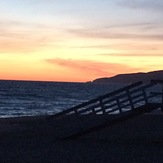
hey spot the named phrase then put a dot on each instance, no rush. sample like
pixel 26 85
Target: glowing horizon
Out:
pixel 79 41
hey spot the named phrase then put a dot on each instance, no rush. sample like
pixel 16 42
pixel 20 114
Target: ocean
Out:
pixel 33 98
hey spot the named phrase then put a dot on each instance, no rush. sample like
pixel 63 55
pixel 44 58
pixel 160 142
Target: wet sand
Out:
pixel 35 139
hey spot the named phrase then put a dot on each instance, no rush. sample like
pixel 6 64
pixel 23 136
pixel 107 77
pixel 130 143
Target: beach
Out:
pixel 35 139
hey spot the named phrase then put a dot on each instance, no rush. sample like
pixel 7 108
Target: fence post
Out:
pixel 130 99
pixel 145 96
pixel 93 111
pixel 102 106
pixel 119 105
pixel 76 112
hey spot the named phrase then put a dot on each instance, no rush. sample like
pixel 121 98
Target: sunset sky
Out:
pixel 79 40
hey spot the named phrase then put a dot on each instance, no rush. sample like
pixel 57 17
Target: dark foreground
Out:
pixel 33 139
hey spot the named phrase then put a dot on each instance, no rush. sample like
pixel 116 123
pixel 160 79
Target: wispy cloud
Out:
pixel 156 5
pixel 141 26
pixel 106 34
pixel 134 49
pixel 19 36
pixel 127 54
pixel 95 68
pixel 125 49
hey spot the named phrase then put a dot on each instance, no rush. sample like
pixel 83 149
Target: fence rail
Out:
pixel 117 102
pixel 124 103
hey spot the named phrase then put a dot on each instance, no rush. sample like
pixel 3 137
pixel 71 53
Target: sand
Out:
pixel 35 139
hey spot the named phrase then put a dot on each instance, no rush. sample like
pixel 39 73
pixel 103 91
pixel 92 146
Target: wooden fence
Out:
pixel 117 102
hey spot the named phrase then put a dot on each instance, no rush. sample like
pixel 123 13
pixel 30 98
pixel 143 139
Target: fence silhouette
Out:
pixel 122 104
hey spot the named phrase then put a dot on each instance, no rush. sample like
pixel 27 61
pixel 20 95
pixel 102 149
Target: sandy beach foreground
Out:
pixel 34 139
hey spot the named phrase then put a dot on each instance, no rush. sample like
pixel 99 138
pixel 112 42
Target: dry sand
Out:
pixel 34 139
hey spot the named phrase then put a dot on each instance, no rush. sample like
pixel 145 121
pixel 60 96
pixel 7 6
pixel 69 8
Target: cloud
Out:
pixel 155 5
pixel 19 36
pixel 106 34
pixel 126 49
pixel 129 54
pixel 141 26
pixel 113 34
pixel 95 68
pixel 133 49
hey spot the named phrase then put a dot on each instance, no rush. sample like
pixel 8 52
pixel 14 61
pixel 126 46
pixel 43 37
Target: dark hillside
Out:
pixel 131 78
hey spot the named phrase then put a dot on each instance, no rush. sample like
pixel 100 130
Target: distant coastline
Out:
pixel 132 77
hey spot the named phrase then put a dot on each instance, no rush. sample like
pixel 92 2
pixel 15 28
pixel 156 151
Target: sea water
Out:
pixel 31 98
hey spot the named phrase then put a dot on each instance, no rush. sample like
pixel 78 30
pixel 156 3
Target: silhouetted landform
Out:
pixel 131 78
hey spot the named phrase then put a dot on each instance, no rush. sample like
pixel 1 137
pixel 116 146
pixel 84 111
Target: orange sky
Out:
pixel 80 40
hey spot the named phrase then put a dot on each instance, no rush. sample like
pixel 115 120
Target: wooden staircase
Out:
pixel 109 109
